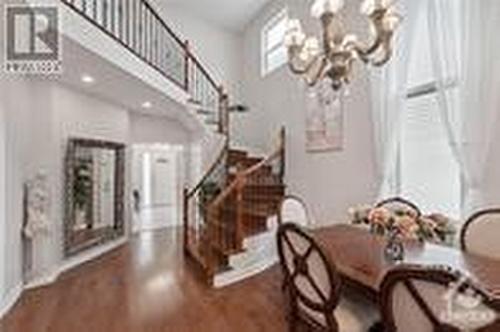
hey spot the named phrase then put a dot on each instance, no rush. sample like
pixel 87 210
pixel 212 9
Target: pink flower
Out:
pixel 407 226
pixel 380 216
pixel 429 223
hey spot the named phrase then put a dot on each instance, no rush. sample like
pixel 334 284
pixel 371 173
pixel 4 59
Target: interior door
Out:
pixel 162 182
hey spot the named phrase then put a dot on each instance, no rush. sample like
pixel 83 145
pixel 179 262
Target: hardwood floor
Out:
pixel 146 286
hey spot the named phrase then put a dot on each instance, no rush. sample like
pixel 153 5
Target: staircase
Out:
pixel 231 218
pixel 230 215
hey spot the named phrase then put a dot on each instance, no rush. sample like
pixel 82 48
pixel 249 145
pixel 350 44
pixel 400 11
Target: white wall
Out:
pixel 218 49
pixel 42 115
pixel 3 223
pixel 3 139
pixel 329 182
pixel 29 147
pixel 156 129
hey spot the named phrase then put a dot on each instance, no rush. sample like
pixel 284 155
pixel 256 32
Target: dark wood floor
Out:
pixel 146 286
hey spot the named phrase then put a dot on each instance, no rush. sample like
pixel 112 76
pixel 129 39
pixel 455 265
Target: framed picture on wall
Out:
pixel 324 120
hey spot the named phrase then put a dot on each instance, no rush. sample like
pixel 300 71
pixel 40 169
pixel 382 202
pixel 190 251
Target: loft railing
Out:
pixel 137 26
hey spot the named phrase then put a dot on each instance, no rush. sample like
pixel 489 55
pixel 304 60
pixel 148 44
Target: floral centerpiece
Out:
pixel 406 223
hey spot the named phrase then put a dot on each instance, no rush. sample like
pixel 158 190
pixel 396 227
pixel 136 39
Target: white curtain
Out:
pixel 466 49
pixel 389 89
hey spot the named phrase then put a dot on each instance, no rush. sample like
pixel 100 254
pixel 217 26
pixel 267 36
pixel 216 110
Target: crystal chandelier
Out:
pixel 335 59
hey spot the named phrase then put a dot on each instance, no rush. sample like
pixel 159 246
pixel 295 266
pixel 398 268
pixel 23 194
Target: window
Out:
pixel 273 51
pixel 429 174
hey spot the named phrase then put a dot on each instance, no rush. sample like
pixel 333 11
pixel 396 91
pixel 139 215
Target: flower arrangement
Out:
pixel 406 223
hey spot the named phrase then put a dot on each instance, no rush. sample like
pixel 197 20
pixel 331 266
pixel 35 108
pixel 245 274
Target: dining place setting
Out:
pixel 390 268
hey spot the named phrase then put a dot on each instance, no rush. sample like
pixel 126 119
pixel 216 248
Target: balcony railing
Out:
pixel 139 28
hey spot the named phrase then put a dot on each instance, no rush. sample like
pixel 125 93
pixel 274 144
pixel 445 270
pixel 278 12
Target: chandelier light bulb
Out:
pixel 369 6
pixel 303 56
pixel 350 39
pixel 321 7
pixel 391 22
pixel 311 46
pixel 294 33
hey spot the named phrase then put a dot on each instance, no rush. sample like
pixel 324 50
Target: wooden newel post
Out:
pixel 185 218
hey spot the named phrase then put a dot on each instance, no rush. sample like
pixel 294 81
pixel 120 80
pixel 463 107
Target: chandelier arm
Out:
pixel 302 70
pixel 383 40
pixel 362 52
pixel 367 52
pixel 296 70
pixel 387 56
pixel 341 50
pixel 319 74
pixel 376 21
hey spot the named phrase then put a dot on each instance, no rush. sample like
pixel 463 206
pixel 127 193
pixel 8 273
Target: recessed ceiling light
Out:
pixel 87 79
pixel 147 104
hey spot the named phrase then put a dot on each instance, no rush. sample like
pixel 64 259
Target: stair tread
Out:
pixel 237 153
pixel 227 250
pixel 267 183
pixel 258 212
pixel 262 193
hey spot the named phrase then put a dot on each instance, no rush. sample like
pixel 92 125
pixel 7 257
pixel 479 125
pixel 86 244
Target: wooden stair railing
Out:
pixel 243 207
pixel 137 26
pixel 195 202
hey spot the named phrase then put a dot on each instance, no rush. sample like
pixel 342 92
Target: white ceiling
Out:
pixel 230 14
pixel 118 87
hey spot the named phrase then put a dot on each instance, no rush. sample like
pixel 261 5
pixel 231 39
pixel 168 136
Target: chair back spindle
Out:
pixel 311 280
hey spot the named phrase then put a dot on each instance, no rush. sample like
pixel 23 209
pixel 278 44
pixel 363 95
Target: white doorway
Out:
pixel 156 186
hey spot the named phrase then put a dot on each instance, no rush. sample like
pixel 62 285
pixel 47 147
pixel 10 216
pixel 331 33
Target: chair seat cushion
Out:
pixel 354 314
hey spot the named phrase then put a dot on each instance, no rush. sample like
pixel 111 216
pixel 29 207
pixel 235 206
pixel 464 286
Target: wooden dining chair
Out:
pixel 293 210
pixel 426 299
pixel 481 232
pixel 313 286
pixel 398 203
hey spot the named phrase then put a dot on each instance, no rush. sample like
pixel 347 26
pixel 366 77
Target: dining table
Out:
pixel 359 257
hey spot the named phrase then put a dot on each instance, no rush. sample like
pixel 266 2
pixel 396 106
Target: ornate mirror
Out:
pixel 95 178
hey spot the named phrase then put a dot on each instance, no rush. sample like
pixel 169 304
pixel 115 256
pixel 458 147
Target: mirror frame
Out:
pixel 72 245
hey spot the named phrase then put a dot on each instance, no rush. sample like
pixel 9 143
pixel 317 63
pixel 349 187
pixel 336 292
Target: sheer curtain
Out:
pixel 466 49
pixel 388 87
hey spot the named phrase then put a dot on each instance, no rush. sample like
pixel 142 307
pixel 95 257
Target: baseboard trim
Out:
pixel 231 277
pixel 52 276
pixel 10 299
pixel 92 254
pixel 43 280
